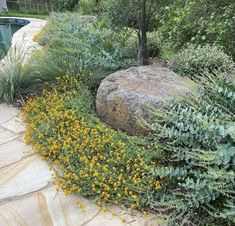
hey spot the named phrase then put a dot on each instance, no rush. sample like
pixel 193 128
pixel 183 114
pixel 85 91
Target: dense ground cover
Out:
pixel 95 159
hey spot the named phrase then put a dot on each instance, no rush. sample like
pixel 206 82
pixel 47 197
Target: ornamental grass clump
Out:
pixel 16 78
pixel 93 159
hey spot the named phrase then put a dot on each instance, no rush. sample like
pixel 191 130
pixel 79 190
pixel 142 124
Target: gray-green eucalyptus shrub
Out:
pixel 197 135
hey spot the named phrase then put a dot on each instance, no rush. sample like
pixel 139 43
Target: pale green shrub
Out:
pixel 75 44
pixel 193 61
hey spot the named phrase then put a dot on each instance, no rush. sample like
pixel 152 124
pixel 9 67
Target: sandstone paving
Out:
pixel 7 136
pixel 25 176
pixel 13 152
pixel 7 112
pixel 2 130
pixel 50 208
pixel 14 125
pixel 47 208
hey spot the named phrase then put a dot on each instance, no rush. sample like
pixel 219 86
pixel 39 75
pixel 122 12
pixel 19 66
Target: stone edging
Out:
pixel 24 36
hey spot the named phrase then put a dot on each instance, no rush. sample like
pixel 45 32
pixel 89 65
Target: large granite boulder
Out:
pixel 123 96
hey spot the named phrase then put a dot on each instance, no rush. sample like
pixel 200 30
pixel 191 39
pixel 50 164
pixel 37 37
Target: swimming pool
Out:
pixel 8 26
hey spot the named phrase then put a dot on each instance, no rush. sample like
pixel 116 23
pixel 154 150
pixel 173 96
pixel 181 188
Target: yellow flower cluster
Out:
pixel 94 159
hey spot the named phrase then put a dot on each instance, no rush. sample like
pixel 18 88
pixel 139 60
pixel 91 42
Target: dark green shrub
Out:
pixel 192 60
pixel 66 5
pixel 153 44
pixel 90 7
pixel 200 22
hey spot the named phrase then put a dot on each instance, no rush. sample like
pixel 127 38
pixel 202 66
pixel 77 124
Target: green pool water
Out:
pixel 8 26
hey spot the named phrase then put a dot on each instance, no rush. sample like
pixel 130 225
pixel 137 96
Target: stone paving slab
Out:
pixel 50 208
pixel 2 130
pixel 7 112
pixel 7 136
pixel 23 177
pixel 46 208
pixel 13 151
pixel 14 125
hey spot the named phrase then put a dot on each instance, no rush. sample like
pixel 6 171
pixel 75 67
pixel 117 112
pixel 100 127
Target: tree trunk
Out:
pixel 142 36
pixel 3 6
pixel 97 2
pixel 97 6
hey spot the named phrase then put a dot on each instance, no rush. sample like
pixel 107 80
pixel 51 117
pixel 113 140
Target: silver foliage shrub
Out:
pixel 192 61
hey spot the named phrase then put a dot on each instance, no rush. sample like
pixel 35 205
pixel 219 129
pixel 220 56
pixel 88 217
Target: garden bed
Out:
pixel 184 169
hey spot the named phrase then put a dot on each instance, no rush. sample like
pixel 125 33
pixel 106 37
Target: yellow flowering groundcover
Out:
pixel 92 159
